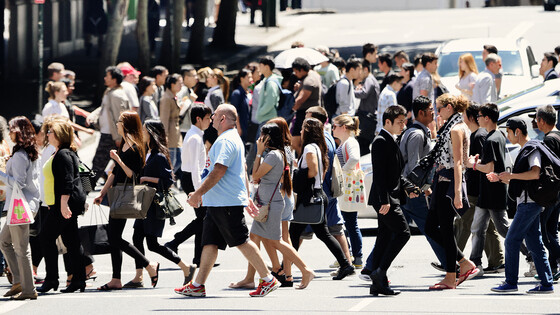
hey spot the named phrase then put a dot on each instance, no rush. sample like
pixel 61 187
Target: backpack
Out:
pixel 544 191
pixel 285 104
pixel 330 97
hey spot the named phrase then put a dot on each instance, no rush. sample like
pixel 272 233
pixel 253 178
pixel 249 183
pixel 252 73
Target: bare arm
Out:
pixel 195 198
pixel 154 180
pixel 457 143
pixel 312 164
pixel 302 97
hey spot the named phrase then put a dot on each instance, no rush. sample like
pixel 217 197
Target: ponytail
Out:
pixel 286 187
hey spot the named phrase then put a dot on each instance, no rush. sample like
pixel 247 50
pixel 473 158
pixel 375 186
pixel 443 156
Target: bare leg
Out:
pixel 290 253
pixel 249 281
pixel 287 266
pixel 139 276
pixel 344 244
pixel 207 260
pixel 251 252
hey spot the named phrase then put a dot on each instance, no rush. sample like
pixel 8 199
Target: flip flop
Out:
pixel 245 286
pixel 471 273
pixel 156 277
pixel 440 286
pixel 106 287
pixel 133 285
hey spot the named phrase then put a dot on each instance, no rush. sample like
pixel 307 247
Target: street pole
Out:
pixel 40 53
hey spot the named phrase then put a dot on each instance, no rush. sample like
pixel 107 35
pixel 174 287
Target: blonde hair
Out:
pixel 64 133
pixel 352 123
pixel 204 73
pixel 459 103
pixel 223 81
pixel 53 87
pixel 469 61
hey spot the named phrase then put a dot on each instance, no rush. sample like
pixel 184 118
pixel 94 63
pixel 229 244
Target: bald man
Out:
pixel 224 193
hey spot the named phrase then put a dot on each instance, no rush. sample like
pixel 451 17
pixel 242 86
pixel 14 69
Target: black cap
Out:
pixel 516 123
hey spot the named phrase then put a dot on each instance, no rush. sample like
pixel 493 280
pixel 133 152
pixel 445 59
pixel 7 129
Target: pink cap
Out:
pixel 126 70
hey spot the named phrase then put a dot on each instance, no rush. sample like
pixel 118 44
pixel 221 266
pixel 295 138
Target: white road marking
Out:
pixel 520 29
pixel 10 306
pixel 360 306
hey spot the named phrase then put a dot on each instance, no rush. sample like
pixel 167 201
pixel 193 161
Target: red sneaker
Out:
pixel 265 288
pixel 191 290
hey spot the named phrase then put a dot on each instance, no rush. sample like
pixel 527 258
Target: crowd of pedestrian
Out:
pixel 437 159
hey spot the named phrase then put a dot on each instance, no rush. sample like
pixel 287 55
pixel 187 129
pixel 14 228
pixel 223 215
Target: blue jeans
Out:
pixel 416 209
pixel 526 225
pixel 549 227
pixel 175 156
pixel 351 223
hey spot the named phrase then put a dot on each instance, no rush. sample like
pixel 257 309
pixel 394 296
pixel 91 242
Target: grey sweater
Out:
pixel 21 170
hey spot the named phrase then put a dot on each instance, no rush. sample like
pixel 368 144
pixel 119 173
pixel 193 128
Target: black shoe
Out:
pixel 497 269
pixel 365 271
pixel 381 286
pixel 75 286
pixel 343 272
pixel 47 286
pixel 437 266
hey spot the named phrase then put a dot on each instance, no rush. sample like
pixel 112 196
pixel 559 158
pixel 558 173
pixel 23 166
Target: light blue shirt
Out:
pixel 230 191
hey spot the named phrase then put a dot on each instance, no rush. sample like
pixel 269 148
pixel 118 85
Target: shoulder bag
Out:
pixel 167 206
pixel 354 196
pixel 130 201
pixel 313 211
pixel 263 209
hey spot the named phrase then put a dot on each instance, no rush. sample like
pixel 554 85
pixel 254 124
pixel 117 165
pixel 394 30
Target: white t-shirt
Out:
pixel 131 94
pixel 55 108
pixel 104 120
pixel 534 160
pixel 313 148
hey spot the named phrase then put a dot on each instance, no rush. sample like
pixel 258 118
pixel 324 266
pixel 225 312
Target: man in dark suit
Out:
pixel 386 195
pixel 548 63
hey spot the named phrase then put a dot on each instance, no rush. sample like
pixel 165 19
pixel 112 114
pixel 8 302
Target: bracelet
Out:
pixel 474 165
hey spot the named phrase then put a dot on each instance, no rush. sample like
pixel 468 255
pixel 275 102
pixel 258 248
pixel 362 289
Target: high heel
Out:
pixel 92 274
pixel 75 286
pixel 47 286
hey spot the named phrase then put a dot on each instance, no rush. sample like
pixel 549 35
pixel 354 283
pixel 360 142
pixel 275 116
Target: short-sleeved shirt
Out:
pixel 270 180
pixel 229 151
pixel 132 159
pixel 493 195
pixel 472 177
pixel 553 142
pixel 313 148
pixel 424 81
pixel 329 74
pixel 534 160
pixel 312 82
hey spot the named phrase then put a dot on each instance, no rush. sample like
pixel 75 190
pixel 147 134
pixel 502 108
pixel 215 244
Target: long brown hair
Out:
pixel 275 142
pixel 286 135
pixel 132 127
pixel 25 137
pixel 313 133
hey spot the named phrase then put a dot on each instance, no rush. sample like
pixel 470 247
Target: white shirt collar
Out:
pixel 197 130
pixel 392 135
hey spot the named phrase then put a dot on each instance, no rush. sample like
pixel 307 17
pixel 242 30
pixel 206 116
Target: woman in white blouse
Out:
pixel 346 128
pixel 58 93
pixel 467 75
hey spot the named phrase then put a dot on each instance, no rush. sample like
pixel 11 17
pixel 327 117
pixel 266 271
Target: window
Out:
pixel 448 63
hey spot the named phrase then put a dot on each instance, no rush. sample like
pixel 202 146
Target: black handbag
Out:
pixel 167 206
pixel 312 211
pixel 94 237
pixel 86 176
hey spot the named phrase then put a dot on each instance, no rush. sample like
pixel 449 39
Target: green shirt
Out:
pixel 269 97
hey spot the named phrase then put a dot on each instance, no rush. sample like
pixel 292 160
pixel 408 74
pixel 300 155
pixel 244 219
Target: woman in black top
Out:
pixel 129 161
pixel 61 219
pixel 157 173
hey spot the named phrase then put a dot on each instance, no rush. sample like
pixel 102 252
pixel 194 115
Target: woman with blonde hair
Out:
pixel 60 172
pixel 449 189
pixel 467 75
pixel 346 128
pixel 218 91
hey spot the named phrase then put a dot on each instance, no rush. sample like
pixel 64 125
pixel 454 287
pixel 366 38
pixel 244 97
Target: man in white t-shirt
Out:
pixel 526 223
pixel 128 84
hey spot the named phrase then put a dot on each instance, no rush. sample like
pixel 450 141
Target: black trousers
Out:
pixel 118 245
pixel 439 226
pixel 322 232
pixel 153 245
pixel 393 233
pixel 56 225
pixel 102 157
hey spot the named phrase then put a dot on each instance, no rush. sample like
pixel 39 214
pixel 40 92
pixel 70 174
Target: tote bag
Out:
pixel 94 237
pixel 130 201
pixel 354 196
pixel 19 212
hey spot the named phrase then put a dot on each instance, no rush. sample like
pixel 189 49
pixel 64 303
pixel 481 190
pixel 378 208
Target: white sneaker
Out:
pixel 532 270
pixel 364 277
pixel 334 265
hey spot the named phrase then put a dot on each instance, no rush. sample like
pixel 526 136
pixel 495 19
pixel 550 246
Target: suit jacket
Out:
pixel 388 184
pixel 550 75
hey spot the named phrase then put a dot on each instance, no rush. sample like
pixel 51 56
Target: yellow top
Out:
pixel 48 184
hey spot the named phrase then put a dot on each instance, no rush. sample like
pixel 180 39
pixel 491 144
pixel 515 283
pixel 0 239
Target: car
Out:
pixel 519 66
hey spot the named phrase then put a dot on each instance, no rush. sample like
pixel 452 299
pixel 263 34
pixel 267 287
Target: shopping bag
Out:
pixel 94 237
pixel 19 212
pixel 354 195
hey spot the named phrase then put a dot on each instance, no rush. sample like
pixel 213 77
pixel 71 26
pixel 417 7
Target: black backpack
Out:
pixel 544 191
pixel 330 98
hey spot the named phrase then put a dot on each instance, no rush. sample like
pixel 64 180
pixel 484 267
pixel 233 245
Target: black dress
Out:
pixel 157 166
